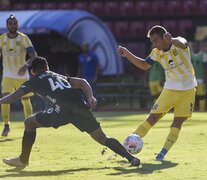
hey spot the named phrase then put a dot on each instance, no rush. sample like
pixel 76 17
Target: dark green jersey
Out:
pixel 156 72
pixel 198 61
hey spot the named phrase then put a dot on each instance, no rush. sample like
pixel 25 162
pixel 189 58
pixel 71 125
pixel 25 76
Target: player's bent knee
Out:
pixel 178 121
pixel 25 98
pixel 31 123
pixel 153 118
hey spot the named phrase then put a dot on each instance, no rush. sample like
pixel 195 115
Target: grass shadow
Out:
pixel 18 172
pixel 5 139
pixel 145 168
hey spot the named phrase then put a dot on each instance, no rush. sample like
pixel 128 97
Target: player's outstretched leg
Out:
pixel 23 160
pixel 27 142
pixel 114 145
pixel 118 148
pixel 146 125
pixel 171 138
pixel 160 156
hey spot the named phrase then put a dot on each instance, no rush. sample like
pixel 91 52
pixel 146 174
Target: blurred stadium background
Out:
pixel 124 22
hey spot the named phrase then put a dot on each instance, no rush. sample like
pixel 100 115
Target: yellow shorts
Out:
pixel 155 87
pixel 9 85
pixel 201 89
pixel 181 101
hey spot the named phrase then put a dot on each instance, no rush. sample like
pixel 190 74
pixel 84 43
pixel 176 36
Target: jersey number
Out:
pixel 58 83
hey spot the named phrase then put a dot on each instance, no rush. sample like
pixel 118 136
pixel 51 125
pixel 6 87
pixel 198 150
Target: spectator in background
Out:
pixel 199 60
pixel 89 67
pixel 14 46
pixel 155 77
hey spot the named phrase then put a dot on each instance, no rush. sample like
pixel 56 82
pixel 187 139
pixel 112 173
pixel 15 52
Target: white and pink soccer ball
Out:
pixel 133 143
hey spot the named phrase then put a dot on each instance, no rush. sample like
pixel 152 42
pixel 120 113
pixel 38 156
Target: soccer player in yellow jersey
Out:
pixel 179 89
pixel 14 46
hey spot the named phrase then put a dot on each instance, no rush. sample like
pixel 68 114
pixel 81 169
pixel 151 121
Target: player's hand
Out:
pixel 122 51
pixel 167 37
pixel 92 102
pixel 22 70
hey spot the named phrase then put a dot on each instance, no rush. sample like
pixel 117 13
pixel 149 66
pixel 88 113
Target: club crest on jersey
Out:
pixel 175 52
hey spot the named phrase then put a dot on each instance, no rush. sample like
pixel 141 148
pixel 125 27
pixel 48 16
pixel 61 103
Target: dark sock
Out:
pixel 6 125
pixel 27 142
pixel 163 151
pixel 116 146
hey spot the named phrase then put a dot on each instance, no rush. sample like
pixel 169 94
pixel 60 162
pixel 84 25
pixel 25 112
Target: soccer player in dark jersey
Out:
pixel 67 107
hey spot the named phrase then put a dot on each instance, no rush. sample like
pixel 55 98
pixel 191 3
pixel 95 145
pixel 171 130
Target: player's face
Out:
pixel 12 26
pixel 157 41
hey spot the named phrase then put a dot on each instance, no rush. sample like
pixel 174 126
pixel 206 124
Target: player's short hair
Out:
pixel 38 64
pixel 156 30
pixel 11 17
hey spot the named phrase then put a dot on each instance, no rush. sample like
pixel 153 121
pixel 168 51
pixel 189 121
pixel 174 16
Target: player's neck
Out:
pixel 167 47
pixel 12 35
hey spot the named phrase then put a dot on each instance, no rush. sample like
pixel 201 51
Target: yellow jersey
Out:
pixel 176 62
pixel 14 52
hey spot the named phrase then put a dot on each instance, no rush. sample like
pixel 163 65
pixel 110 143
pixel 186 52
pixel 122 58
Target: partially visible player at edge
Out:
pixel 68 107
pixel 14 46
pixel 179 89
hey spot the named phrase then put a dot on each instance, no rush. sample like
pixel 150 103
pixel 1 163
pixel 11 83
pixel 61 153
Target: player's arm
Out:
pixel 32 54
pixel 79 83
pixel 176 41
pixel 12 97
pixel 137 61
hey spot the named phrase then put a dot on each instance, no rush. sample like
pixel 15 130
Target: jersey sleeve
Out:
pixel 151 59
pixel 27 42
pixel 27 86
pixel 28 45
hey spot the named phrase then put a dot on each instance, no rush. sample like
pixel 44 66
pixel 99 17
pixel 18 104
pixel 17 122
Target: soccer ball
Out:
pixel 133 143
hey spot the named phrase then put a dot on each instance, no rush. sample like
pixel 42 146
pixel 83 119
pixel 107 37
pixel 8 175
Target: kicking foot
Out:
pixel 135 162
pixel 15 162
pixel 160 157
pixel 5 131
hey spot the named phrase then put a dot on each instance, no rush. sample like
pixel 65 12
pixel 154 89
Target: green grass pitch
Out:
pixel 66 153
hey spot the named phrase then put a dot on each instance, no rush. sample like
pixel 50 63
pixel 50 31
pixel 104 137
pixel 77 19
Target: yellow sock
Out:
pixel 27 106
pixel 5 111
pixel 143 129
pixel 171 138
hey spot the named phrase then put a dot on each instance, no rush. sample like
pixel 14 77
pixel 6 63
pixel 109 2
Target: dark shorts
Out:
pixel 78 115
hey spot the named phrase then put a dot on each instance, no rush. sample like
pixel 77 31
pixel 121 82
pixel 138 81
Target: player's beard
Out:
pixel 13 30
